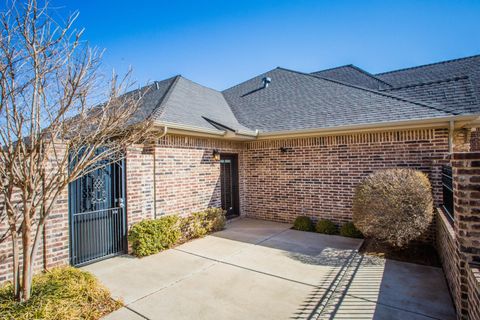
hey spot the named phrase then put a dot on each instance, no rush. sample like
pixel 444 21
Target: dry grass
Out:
pixel 63 293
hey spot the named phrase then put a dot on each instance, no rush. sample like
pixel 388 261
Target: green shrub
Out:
pixel 64 293
pixel 199 224
pixel 349 230
pixel 393 206
pixel 326 227
pixel 151 236
pixel 303 223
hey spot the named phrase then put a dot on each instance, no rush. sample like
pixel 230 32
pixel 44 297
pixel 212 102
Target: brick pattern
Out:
pixel 55 245
pixel 139 182
pixel 449 255
pixel 475 140
pixel 459 245
pixel 187 177
pixel 317 176
pixel 466 184
pixel 473 298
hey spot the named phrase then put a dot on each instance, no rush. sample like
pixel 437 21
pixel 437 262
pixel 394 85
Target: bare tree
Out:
pixel 50 131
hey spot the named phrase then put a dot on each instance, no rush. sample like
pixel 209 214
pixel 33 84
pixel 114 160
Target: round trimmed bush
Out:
pixel 326 227
pixel 394 206
pixel 303 223
pixel 349 230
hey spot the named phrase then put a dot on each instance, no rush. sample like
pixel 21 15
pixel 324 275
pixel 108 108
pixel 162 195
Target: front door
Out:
pixel 97 215
pixel 229 184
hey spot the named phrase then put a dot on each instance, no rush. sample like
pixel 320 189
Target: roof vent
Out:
pixel 157 85
pixel 266 81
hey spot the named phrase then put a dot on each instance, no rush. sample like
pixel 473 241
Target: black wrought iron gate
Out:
pixel 98 215
pixel 229 184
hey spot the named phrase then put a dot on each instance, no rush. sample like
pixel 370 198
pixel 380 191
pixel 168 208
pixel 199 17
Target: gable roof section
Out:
pixel 353 75
pixel 468 66
pixel 297 101
pixel 190 104
pixel 455 95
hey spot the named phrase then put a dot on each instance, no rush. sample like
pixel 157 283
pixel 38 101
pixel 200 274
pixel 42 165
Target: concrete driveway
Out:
pixel 264 270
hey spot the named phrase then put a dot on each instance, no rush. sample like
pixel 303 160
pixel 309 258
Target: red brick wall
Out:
pixel 317 176
pixel 139 182
pixel 449 255
pixel 187 177
pixel 475 140
pixel 466 185
pixel 473 292
pixel 56 242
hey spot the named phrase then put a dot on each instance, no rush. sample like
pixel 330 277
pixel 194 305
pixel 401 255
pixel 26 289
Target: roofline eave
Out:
pixel 437 122
pixel 182 129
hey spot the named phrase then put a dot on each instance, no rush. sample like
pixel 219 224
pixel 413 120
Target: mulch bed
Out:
pixel 418 253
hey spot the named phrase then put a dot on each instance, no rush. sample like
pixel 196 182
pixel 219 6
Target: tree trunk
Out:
pixel 34 248
pixel 16 261
pixel 27 270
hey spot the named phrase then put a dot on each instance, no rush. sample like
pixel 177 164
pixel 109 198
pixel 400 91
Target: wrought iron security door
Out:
pixel 97 215
pixel 229 184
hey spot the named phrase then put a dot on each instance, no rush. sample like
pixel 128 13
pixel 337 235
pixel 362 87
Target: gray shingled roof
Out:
pixel 181 101
pixel 468 66
pixel 340 96
pixel 151 98
pixel 455 95
pixel 353 75
pixel 296 101
pixel 191 104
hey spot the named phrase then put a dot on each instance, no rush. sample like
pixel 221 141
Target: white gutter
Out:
pixel 172 125
pixel 458 120
pixel 379 126
pixel 164 133
pixel 207 131
pixel 451 129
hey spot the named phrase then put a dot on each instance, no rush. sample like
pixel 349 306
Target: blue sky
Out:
pixel 221 43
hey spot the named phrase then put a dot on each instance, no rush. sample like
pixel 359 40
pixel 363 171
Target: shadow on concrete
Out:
pixel 369 287
pixel 355 286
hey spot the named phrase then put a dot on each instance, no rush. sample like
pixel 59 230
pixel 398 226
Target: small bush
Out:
pixel 64 293
pixel 326 227
pixel 151 236
pixel 303 223
pixel 394 206
pixel 199 224
pixel 349 230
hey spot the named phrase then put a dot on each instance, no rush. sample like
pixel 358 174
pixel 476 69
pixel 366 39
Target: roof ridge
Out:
pixel 239 84
pixel 333 68
pixel 356 68
pixel 372 91
pixel 156 114
pixel 426 83
pixel 370 75
pixel 428 64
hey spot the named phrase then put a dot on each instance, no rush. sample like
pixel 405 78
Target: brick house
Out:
pixel 282 144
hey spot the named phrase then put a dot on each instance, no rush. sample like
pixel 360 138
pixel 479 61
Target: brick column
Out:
pixel 466 183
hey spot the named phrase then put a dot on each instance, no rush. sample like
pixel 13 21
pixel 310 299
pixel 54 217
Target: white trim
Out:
pixel 379 126
pixel 460 121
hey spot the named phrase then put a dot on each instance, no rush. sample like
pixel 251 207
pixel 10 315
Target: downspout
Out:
pixel 165 129
pixel 451 129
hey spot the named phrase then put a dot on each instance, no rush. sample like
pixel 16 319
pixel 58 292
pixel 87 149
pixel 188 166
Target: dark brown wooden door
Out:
pixel 229 184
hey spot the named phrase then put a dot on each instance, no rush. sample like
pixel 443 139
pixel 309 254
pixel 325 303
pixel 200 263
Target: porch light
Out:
pixel 216 155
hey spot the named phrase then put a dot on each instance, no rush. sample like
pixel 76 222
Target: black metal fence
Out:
pixel 97 234
pixel 447 186
pixel 98 224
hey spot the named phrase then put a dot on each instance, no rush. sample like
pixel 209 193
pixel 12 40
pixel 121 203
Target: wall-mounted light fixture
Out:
pixel 216 155
pixel 285 149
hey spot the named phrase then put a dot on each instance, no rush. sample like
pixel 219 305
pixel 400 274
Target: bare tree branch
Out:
pixel 50 131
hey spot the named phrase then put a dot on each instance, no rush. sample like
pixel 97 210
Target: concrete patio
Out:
pixel 264 270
